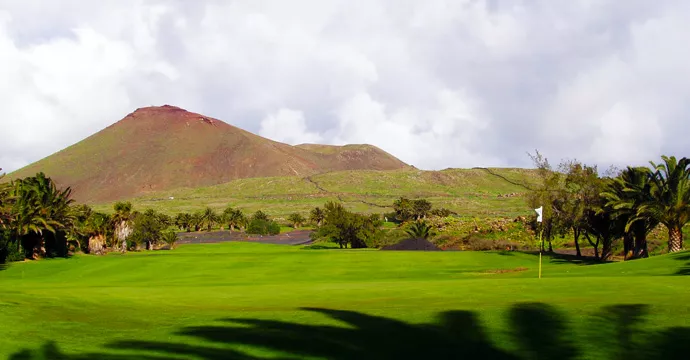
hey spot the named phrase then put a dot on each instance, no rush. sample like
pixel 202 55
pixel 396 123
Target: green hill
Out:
pixel 470 192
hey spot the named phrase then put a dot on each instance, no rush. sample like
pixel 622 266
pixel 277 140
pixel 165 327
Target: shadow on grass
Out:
pixel 318 247
pixel 535 331
pixel 685 270
pixel 573 259
pixel 506 253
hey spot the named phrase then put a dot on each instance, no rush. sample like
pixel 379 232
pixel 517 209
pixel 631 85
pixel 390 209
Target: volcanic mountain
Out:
pixel 166 147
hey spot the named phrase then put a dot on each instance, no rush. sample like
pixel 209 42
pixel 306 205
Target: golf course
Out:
pixel 242 300
pixel 334 252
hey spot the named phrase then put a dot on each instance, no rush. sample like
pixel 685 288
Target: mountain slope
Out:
pixel 161 148
pixel 469 192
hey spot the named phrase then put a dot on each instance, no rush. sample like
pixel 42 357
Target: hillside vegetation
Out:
pixel 469 192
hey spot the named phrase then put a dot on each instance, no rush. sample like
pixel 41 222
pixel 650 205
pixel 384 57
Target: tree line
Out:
pixel 349 229
pixel 619 206
pixel 38 220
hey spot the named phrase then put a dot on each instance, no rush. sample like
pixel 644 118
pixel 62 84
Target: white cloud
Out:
pixel 439 83
pixel 288 126
pixel 451 128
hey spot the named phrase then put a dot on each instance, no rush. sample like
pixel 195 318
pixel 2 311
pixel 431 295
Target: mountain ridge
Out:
pixel 166 147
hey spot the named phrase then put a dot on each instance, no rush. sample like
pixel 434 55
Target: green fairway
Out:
pixel 246 301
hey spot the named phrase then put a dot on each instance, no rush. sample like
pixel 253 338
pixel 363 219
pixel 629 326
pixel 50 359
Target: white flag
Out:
pixel 539 213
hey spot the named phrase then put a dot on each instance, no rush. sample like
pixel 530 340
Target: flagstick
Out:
pixel 540 213
pixel 541 239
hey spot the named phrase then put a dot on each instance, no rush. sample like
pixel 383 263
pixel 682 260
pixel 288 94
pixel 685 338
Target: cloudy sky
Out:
pixel 438 83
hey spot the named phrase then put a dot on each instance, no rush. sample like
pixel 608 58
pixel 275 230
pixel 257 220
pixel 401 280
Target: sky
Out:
pixel 437 83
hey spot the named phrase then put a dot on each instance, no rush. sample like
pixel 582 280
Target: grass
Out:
pixel 470 192
pixel 245 301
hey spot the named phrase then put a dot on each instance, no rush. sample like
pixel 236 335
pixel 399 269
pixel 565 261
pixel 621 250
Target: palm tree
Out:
pixel 419 230
pixel 195 221
pixel 5 218
pixel 170 238
pixel 40 208
pixel 96 228
pixel 5 204
pixel 296 219
pixel 183 221
pixel 625 195
pixel 317 215
pixel 669 199
pixel 260 215
pixel 208 218
pixel 234 218
pixel 122 224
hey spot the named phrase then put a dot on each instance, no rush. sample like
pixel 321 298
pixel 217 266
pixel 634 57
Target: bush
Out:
pixel 442 212
pixel 10 254
pixel 387 237
pixel 170 238
pixel 477 243
pixel 263 227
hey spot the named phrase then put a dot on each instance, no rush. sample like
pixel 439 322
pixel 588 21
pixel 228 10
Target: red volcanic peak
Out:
pixel 166 147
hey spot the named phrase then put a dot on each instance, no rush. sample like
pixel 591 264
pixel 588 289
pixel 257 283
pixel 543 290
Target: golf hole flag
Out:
pixel 539 213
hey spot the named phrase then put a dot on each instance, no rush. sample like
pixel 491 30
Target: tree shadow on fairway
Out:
pixel 573 259
pixel 685 270
pixel 535 331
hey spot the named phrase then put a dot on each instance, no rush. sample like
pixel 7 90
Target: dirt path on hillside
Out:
pixel 299 237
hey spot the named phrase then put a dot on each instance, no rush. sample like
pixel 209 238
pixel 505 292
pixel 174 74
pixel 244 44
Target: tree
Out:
pixel 421 208
pixel 347 228
pixel 89 228
pixel 196 221
pixel 122 224
pixel 165 219
pixel 442 212
pixel 603 227
pixel 5 219
pixel 419 230
pixel 261 224
pixel 184 221
pixel 41 214
pixel 579 192
pixel 669 198
pixel 404 210
pixel 5 204
pixel 260 215
pixel 208 218
pixel 234 218
pixel 624 195
pixel 263 227
pixel 296 220
pixel 546 194
pixel 147 229
pixel 317 215
pixel 170 238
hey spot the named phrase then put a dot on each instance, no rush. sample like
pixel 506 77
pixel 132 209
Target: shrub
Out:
pixel 260 215
pixel 387 237
pixel 170 238
pixel 477 243
pixel 263 227
pixel 442 212
pixel 10 252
